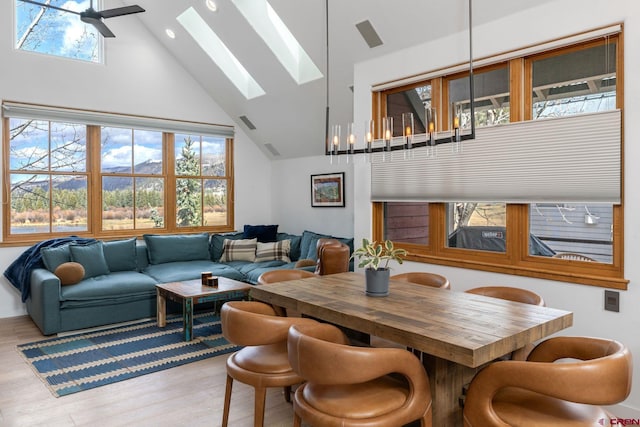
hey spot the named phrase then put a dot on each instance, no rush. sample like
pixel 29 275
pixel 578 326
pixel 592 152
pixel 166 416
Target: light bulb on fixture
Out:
pixel 430 121
pixel 351 138
pixel 456 115
pixel 387 132
pixel 170 33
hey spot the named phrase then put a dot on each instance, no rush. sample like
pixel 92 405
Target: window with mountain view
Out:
pixel 201 193
pixel 72 178
pixel 132 180
pixel 54 32
pixel 48 179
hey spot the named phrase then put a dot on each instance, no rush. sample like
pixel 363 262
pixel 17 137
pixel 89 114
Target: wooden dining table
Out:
pixel 458 333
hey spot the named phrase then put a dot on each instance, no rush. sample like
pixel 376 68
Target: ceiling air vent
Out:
pixel 247 122
pixel 369 34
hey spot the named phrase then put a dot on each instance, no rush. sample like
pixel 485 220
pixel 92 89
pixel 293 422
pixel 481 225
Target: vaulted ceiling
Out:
pixel 289 118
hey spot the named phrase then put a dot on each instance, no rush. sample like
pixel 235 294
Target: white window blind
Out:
pixel 40 112
pixel 574 159
pixel 518 53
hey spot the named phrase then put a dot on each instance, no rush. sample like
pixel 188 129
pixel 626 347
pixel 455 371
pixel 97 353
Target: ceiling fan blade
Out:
pixel 119 11
pixel 100 26
pixel 49 6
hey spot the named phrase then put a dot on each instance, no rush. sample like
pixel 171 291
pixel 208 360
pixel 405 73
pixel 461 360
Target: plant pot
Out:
pixel 377 282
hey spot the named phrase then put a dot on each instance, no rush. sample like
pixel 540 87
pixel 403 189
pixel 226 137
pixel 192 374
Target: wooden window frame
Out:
pixel 94 192
pixel 516 260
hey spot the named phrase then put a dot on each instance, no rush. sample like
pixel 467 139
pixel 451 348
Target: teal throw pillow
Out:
pixel 294 253
pixel 310 241
pixel 177 247
pixel 121 254
pixel 53 257
pixel 91 256
pixel 308 248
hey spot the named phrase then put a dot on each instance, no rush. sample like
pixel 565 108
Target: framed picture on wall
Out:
pixel 327 190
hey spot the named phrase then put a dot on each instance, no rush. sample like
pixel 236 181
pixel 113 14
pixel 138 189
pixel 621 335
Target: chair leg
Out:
pixel 258 410
pixel 297 421
pixel 287 393
pixel 227 401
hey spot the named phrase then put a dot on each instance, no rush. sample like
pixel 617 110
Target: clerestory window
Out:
pixel 50 31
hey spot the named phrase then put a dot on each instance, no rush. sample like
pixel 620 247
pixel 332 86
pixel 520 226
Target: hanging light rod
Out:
pixel 408 141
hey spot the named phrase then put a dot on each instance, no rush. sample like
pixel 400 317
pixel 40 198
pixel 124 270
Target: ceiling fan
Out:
pixel 94 17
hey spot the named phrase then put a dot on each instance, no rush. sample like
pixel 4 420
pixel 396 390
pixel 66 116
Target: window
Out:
pixel 563 241
pixel 201 184
pixel 55 32
pixel 68 177
pixel 491 96
pixel 48 179
pixel 132 179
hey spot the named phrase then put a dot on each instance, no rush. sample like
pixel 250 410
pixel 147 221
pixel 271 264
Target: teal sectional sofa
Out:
pixel 120 276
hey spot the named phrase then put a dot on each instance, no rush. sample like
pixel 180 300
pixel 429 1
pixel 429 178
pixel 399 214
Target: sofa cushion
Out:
pixel 178 271
pixel 119 286
pixel 264 233
pixel 53 257
pixel 239 250
pixel 273 251
pixel 217 243
pixel 69 273
pixel 294 246
pixel 91 256
pixel 121 254
pixel 177 247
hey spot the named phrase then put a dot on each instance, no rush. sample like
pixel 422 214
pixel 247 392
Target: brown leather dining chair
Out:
pixel 509 293
pixel 350 386
pixel 275 276
pixel 538 392
pixel 424 278
pixel 332 256
pixel 263 361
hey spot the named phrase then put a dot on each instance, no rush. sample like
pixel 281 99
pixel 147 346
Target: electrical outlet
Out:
pixel 612 301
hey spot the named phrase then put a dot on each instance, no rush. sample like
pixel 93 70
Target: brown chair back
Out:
pixel 275 276
pixel 333 257
pixel 540 392
pixel 337 375
pixel 253 323
pixel 509 293
pixel 423 278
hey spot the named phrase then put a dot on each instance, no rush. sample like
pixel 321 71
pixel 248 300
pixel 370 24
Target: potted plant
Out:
pixel 374 258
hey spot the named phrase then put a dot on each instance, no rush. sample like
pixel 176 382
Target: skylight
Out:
pixel 266 22
pixel 219 53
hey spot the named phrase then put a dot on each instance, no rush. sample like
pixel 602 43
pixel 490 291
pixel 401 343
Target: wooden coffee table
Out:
pixel 192 292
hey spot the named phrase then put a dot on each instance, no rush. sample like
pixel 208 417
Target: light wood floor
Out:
pixel 189 395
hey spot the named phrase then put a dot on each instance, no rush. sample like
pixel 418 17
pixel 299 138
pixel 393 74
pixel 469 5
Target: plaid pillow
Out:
pixel 238 250
pixel 275 251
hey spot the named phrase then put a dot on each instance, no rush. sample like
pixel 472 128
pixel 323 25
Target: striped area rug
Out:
pixel 81 362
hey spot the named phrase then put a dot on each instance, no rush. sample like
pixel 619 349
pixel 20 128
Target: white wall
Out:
pixel 139 77
pixel 291 197
pixel 545 22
